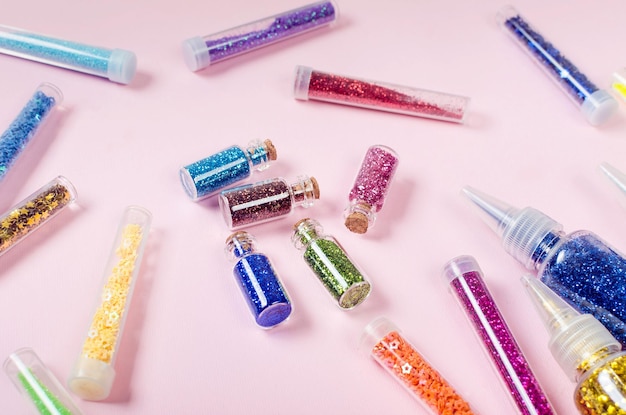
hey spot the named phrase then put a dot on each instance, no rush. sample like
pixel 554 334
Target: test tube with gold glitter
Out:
pixel 38 208
pixel 384 342
pixel 93 373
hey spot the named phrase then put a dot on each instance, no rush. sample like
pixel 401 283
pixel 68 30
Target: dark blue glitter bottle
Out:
pixel 258 281
pixel 580 267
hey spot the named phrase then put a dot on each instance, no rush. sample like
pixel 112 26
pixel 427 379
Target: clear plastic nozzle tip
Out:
pixel 616 176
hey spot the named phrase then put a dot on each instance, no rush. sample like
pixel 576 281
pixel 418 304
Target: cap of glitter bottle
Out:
pixel 370 188
pixel 619 83
pixel 615 175
pixel 202 51
pixel 93 373
pixel 38 384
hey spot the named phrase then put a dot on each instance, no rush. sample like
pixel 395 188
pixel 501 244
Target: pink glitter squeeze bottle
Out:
pixel 370 188
pixel 469 288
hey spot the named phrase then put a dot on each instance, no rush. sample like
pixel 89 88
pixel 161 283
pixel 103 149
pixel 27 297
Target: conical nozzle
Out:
pixel 616 176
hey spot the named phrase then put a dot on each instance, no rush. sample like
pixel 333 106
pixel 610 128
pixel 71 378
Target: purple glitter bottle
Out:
pixel 468 287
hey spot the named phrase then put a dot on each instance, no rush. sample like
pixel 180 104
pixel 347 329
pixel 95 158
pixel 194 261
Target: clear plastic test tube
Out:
pixel 117 65
pixel 597 105
pixel 93 373
pixel 202 51
pixel 311 84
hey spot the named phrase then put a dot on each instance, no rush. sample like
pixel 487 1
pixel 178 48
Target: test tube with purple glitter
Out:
pixel 370 188
pixel 469 288
pixel 311 84
pixel 202 51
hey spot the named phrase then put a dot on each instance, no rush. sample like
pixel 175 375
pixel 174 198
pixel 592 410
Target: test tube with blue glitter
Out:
pixel 24 127
pixel 117 65
pixel 597 105
pixel 266 297
pixel 218 171
pixel 201 52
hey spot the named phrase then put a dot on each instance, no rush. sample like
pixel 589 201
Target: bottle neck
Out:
pixel 304 191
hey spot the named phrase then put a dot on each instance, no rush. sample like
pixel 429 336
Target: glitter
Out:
pixel 26 124
pixel 329 261
pixel 208 176
pixel 93 374
pixel 267 200
pixel 338 89
pixel 597 105
pixel 475 299
pixel 115 64
pixel 400 359
pixel 370 188
pixel 200 52
pixel 32 212
pixel 258 281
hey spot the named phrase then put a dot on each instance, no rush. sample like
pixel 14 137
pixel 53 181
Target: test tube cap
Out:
pixel 196 53
pixel 122 66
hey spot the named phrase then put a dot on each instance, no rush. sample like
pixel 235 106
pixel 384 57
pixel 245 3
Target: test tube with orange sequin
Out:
pixel 93 373
pixel 384 342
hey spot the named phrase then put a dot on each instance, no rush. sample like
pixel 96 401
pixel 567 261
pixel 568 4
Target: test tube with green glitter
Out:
pixel 329 261
pixel 38 385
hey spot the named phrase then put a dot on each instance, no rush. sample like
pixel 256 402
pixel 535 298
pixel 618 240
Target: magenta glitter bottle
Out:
pixel 467 285
pixel 370 188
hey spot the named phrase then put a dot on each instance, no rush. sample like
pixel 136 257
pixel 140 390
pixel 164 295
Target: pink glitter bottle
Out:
pixel 370 188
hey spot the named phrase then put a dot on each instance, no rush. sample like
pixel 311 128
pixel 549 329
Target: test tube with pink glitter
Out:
pixel 469 288
pixel 370 188
pixel 311 84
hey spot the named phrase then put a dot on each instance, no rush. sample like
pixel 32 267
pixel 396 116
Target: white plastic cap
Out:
pixel 196 53
pixel 599 107
pixel 91 379
pixel 122 66
pixel 301 83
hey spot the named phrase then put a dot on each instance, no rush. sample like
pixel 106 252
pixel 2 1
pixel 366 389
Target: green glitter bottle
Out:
pixel 328 260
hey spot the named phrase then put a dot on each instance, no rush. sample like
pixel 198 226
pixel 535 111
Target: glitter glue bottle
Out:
pixel 469 288
pixel 212 174
pixel 597 105
pixel 619 83
pixel 202 51
pixel 267 200
pixel 37 209
pixel 370 188
pixel 383 341
pixel 580 267
pixel 329 261
pixel 26 124
pixel 311 84
pixel 585 350
pixel 259 282
pixel 38 385
pixel 115 64
pixel 93 373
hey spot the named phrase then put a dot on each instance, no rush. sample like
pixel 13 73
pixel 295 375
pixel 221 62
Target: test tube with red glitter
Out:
pixel 382 339
pixel 370 188
pixel 311 84
pixel 469 288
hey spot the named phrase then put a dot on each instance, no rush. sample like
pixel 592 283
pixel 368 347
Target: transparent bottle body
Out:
pixel 311 84
pixel 34 211
pixel 602 388
pixel 93 373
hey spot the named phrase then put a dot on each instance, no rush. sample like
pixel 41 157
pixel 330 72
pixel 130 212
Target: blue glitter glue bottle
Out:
pixel 212 174
pixel 115 64
pixel 23 128
pixel 579 267
pixel 258 281
pixel 597 105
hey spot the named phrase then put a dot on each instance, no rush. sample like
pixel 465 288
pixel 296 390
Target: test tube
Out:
pixel 619 83
pixel 38 385
pixel 117 65
pixel 202 51
pixel 37 209
pixel 597 105
pixel 24 127
pixel 311 84
pixel 94 373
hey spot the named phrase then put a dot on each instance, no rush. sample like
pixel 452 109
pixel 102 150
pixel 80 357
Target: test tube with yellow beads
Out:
pixel 93 373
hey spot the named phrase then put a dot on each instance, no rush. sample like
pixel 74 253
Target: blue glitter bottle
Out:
pixel 115 64
pixel 596 104
pixel 26 124
pixel 258 281
pixel 212 174
pixel 579 267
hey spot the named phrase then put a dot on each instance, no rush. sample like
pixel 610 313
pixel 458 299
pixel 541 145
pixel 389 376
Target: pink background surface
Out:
pixel 190 344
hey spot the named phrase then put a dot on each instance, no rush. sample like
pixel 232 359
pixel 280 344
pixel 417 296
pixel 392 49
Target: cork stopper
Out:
pixel 357 222
pixel 316 188
pixel 270 149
